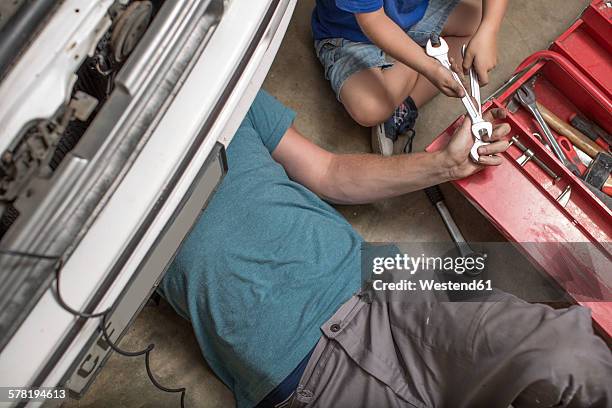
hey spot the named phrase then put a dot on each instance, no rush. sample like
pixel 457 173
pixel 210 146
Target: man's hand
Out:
pixel 443 79
pixel 482 54
pixel 457 153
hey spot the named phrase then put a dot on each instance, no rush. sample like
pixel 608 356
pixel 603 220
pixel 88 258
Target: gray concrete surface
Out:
pixel 297 79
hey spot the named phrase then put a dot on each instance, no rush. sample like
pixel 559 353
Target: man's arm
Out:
pixel 389 37
pixel 365 178
pixel 482 49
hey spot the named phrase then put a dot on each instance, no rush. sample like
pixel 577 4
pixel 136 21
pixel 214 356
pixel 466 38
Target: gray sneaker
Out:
pixel 395 135
pixel 381 143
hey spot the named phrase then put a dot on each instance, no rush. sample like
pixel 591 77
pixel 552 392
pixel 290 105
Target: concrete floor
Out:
pixel 297 80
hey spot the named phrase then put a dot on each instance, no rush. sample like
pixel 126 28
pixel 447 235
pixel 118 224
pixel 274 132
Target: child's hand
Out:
pixel 482 54
pixel 443 79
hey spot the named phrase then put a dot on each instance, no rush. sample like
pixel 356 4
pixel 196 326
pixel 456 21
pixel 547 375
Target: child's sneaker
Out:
pixel 395 136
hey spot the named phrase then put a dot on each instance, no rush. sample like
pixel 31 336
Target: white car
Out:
pixel 114 118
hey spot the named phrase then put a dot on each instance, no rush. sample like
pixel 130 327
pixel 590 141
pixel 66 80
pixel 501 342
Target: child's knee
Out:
pixel 475 14
pixel 465 19
pixel 370 112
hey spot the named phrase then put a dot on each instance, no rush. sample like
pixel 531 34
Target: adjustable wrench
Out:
pixel 526 96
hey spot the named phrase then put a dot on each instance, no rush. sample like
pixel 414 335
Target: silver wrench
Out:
pixel 481 129
pixel 487 128
pixel 465 250
pixel 474 84
pixel 526 96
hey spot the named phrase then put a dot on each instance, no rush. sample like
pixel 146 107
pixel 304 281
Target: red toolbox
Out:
pixel 529 206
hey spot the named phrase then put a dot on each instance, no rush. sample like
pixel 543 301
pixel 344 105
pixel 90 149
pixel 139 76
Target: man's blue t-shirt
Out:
pixel 265 266
pixel 336 18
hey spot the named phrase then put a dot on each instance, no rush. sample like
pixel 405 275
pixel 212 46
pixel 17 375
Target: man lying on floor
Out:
pixel 270 277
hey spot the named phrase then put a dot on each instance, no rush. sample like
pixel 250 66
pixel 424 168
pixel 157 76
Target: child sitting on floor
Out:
pixel 353 38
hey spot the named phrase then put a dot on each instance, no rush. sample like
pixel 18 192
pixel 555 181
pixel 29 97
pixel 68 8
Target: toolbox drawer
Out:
pixel 522 201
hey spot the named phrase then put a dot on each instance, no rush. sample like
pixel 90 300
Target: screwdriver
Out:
pixel 531 156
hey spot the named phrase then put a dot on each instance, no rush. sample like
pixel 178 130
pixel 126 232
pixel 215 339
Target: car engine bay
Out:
pixel 105 72
pixel 44 143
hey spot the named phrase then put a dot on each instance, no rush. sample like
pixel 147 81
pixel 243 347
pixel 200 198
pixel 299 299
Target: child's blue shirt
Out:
pixel 336 18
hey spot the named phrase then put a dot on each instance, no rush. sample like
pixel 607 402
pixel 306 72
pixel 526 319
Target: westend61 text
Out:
pixel 432 285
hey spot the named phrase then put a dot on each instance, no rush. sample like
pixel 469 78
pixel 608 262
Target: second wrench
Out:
pixel 526 97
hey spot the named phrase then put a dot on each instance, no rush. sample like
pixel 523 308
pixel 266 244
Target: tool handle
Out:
pixel 571 154
pixel 434 194
pixel 437 199
pixel 602 134
pixel 584 126
pixel 453 229
pixel 471 109
pixel 575 136
pixel 602 143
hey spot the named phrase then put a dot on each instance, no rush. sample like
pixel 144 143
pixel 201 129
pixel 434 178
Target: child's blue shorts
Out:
pixel 342 58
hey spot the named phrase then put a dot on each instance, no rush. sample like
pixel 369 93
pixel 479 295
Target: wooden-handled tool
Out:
pixel 591 130
pixel 574 135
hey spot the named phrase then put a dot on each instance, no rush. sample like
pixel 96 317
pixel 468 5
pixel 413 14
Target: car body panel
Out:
pixel 206 110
